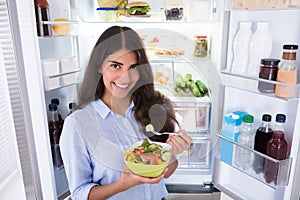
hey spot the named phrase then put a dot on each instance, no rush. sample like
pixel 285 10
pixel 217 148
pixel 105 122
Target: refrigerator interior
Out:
pixel 241 94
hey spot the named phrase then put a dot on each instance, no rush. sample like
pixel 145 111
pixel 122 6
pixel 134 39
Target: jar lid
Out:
pixel 290 46
pixel 52 107
pixel 280 118
pixel 201 36
pixel 107 8
pixel 248 118
pixel 266 117
pixel 269 61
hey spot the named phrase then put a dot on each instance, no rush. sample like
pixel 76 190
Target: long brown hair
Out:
pixel 143 95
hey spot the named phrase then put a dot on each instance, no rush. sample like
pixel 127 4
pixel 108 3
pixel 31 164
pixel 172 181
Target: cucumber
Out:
pixel 166 156
pixel 188 77
pixel 201 86
pixel 194 89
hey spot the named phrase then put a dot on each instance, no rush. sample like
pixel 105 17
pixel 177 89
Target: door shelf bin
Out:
pixel 280 168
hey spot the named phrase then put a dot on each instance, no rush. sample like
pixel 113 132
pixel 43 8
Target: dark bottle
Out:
pixel 277 149
pixel 72 107
pixel 42 14
pixel 56 101
pixel 55 132
pixel 268 70
pixel 262 137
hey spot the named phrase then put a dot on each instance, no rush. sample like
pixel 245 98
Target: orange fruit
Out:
pixel 62 29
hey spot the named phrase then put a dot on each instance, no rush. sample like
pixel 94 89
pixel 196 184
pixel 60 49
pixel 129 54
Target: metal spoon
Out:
pixel 150 128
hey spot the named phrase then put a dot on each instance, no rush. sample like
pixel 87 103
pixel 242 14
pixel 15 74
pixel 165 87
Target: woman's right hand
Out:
pixel 129 179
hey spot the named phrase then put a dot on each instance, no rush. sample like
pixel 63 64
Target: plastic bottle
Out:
pixel 241 48
pixel 260 47
pixel 277 149
pixel 42 14
pixel 244 157
pixel 56 101
pixel 287 72
pixel 55 132
pixel 262 137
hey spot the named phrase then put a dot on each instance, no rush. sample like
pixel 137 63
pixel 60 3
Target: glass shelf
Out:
pixel 250 84
pixel 61 80
pixel 281 168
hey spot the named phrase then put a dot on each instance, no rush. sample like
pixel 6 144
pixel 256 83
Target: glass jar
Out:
pixel 201 46
pixel 268 71
pixel 107 14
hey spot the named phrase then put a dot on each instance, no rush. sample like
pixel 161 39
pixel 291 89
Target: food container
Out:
pixel 50 67
pixel 107 3
pixel 173 10
pixel 201 46
pixel 69 79
pixel 146 170
pixel 51 83
pixel 68 64
pixel 107 14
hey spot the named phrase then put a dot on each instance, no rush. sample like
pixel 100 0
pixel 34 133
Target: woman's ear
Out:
pixel 99 70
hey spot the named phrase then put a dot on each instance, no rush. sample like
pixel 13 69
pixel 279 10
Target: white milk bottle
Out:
pixel 260 47
pixel 241 48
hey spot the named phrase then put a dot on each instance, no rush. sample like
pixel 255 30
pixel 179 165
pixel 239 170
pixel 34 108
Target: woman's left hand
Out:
pixel 180 142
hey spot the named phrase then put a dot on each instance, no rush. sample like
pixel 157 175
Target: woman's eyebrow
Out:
pixel 115 62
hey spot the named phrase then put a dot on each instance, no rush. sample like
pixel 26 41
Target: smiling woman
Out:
pixel 116 101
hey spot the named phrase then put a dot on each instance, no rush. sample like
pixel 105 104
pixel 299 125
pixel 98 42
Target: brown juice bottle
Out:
pixel 277 149
pixel 262 137
pixel 55 132
pixel 287 72
pixel 42 14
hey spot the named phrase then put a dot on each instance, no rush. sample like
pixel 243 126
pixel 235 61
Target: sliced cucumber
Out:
pixel 166 156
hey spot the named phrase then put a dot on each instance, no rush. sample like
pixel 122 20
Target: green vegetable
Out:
pixel 201 86
pixel 194 89
pixel 188 77
pixel 145 143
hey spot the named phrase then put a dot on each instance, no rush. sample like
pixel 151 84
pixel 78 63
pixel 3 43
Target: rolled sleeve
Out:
pixel 73 150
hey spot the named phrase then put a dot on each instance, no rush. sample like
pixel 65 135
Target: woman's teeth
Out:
pixel 121 85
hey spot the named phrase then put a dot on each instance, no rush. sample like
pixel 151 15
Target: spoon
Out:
pixel 150 128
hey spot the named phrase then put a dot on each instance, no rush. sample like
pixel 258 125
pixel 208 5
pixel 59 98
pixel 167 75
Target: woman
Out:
pixel 116 101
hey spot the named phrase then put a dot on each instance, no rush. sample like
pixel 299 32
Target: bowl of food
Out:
pixel 148 159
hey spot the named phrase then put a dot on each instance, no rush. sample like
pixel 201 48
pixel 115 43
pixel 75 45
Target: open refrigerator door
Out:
pixel 242 94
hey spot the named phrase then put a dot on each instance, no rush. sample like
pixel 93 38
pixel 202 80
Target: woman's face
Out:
pixel 120 74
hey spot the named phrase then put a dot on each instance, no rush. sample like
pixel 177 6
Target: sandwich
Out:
pixel 138 8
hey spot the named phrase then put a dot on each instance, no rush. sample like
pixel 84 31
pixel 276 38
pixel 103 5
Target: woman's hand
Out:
pixel 180 142
pixel 129 179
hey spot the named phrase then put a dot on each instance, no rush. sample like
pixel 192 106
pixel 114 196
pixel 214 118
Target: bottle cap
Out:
pixel 52 107
pixel 280 118
pixel 248 118
pixel 290 46
pixel 269 61
pixel 266 117
pixel 56 101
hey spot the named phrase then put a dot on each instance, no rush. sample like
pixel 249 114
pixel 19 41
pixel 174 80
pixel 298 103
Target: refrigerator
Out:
pixel 28 58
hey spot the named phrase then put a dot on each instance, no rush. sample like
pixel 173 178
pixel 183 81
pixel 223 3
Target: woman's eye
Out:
pixel 116 66
pixel 133 66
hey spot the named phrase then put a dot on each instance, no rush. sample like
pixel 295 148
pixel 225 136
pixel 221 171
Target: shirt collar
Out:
pixel 103 110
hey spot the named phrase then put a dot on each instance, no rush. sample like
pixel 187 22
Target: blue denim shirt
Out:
pixel 92 144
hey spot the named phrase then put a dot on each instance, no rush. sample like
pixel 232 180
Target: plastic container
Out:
pixel 241 48
pixel 260 47
pixel 107 14
pixel 287 72
pixel 201 46
pixel 262 137
pixel 68 64
pixel 174 10
pixel 268 70
pixel 50 67
pixel 276 148
pixel 244 157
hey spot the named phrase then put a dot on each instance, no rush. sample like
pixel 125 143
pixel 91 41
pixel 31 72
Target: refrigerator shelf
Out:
pixel 281 168
pixel 61 80
pixel 250 84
